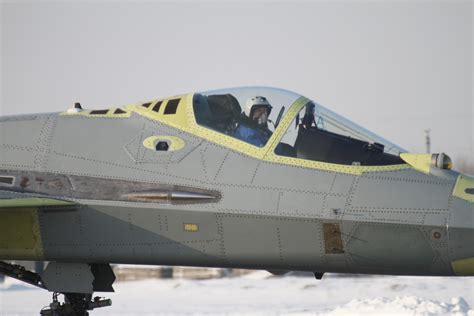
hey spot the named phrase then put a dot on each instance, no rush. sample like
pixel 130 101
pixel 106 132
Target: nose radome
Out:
pixel 461 227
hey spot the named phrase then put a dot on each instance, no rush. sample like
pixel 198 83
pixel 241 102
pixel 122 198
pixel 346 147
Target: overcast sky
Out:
pixel 396 68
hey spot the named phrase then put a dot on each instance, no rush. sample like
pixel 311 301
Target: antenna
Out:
pixel 428 140
pixel 76 109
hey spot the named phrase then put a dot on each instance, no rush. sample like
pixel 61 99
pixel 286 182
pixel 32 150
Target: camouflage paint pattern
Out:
pixel 72 174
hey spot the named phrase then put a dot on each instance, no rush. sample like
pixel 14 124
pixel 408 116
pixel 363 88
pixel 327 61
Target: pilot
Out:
pixel 253 127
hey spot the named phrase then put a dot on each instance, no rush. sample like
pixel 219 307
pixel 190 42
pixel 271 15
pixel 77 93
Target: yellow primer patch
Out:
pixel 421 162
pixel 181 119
pixel 174 142
pixel 191 227
pixel 463 267
pixel 464 184
pixel 110 113
pixel 20 236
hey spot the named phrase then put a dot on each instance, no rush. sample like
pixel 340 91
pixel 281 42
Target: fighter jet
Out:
pixel 252 178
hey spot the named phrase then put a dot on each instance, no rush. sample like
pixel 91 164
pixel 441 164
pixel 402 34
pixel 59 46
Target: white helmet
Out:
pixel 255 102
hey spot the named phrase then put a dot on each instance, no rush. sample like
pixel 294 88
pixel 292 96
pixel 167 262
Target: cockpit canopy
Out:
pixel 309 130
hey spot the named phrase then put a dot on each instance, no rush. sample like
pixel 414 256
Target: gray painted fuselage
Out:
pixel 264 215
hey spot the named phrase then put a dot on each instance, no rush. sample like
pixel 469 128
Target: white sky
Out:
pixel 396 68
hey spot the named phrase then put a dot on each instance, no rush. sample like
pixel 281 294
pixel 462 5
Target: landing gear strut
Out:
pixel 75 304
pixel 20 273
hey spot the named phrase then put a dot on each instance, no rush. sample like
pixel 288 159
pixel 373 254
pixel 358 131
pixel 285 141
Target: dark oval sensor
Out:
pixel 469 190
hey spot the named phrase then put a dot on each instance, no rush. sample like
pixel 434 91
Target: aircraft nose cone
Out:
pixel 461 227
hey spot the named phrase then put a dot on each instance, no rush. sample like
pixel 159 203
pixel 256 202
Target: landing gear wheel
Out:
pixel 75 304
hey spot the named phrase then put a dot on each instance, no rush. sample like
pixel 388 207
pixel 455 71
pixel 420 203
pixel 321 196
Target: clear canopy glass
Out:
pixel 227 110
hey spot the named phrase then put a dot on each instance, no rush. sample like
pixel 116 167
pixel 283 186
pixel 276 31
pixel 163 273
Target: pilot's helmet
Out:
pixel 254 104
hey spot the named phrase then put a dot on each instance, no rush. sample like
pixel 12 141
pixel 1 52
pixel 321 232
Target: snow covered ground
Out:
pixel 260 293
